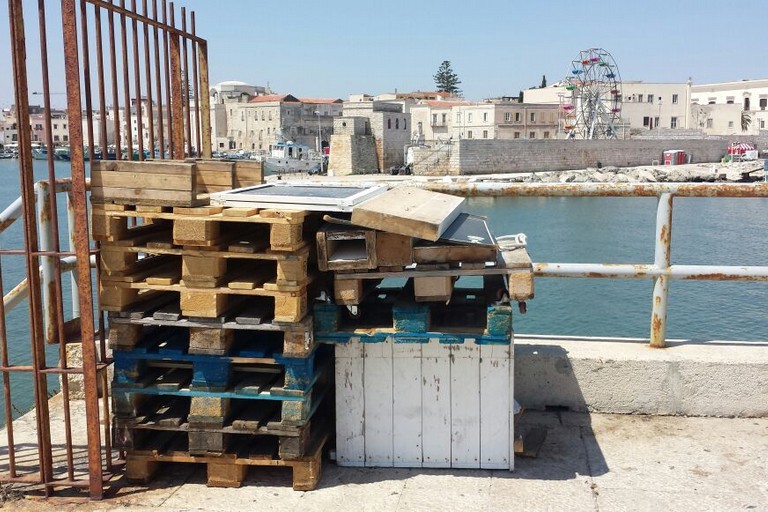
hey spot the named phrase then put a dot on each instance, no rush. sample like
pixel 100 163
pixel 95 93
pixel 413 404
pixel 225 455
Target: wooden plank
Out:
pixel 150 167
pixel 495 387
pixel 436 404
pixel 240 212
pixel 139 195
pixel 377 389
pixel 350 404
pixel 150 181
pixel 248 174
pixel 410 212
pixel 465 406
pixel 406 405
pixel 453 253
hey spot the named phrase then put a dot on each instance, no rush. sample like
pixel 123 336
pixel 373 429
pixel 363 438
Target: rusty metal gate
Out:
pixel 150 101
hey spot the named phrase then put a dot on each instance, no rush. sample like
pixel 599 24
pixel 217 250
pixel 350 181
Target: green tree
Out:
pixel 446 80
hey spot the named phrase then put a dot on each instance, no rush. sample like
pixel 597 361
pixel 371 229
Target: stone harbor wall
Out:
pixel 473 156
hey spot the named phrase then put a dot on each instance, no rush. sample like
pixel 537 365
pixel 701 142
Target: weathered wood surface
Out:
pixel 410 212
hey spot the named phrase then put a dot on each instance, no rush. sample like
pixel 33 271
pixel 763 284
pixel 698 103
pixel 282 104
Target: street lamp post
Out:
pixel 319 136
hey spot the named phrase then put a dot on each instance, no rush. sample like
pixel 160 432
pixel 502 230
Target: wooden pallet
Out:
pixel 212 336
pixel 201 227
pixel 229 469
pixel 264 392
pixel 389 313
pixel 214 434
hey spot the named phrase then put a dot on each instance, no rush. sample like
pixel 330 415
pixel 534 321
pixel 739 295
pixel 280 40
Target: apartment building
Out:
pixel 722 108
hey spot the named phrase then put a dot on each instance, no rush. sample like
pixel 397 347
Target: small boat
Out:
pixel 39 153
pixel 61 153
pixel 288 157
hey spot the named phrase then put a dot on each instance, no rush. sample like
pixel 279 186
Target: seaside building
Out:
pixel 389 126
pixel 491 119
pixel 720 108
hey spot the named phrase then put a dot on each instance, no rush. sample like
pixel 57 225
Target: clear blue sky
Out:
pixel 334 48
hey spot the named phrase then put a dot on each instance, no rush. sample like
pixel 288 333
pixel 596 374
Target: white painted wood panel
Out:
pixel 406 405
pixel 436 404
pixel 350 406
pixel 495 434
pixel 465 406
pixel 377 382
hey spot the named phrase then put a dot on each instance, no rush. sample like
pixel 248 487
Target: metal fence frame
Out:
pixel 175 85
pixel 661 271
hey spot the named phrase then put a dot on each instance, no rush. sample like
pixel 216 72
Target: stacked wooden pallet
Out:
pixel 215 359
pixel 426 364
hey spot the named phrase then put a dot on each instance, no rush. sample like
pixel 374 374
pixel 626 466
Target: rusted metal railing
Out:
pixel 135 105
pixel 661 271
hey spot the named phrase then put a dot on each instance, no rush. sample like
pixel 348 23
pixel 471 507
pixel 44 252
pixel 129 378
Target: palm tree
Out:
pixel 746 120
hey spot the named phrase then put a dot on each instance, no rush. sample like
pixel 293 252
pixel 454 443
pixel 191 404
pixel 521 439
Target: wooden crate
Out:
pixel 157 183
pixel 248 174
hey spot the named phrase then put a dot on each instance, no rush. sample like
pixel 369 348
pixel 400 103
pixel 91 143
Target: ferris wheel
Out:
pixel 592 107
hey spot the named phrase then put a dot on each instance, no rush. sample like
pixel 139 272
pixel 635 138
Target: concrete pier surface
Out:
pixel 589 462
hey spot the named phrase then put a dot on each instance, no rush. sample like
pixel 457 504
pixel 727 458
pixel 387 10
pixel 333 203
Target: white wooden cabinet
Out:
pixel 430 405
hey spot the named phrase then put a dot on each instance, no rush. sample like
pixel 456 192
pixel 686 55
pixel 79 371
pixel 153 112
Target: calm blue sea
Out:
pixel 588 230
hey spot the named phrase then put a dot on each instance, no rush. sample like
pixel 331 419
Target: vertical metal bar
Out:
pixel 82 248
pixel 87 79
pixel 126 87
pixel 26 182
pixel 102 94
pixel 150 104
pixel 662 261
pixel 185 84
pixel 6 383
pixel 177 102
pixel 115 95
pixel 137 84
pixel 205 107
pixel 159 80
pixel 167 71
pixel 196 81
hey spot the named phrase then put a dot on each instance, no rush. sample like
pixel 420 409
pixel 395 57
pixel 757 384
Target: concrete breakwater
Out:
pixel 706 172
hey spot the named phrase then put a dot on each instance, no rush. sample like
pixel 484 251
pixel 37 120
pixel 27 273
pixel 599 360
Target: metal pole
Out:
pixel 662 261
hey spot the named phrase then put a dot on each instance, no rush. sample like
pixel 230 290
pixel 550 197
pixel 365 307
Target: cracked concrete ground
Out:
pixel 594 462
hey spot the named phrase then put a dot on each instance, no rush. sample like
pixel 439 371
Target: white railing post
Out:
pixel 662 262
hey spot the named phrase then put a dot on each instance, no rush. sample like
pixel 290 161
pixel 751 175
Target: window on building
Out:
pixel 469 117
pixel 674 98
pixel 261 134
pixel 532 135
pixel 485 134
pixel 66 138
pixel 55 138
pixel 762 124
pixel 469 134
pixel 546 135
pixel 650 98
pixel 445 118
pixel 746 104
pixel 507 116
pixel 656 121
pixel 517 117
pixel 729 100
pixel 397 124
pixel 242 116
pixel 55 126
pixel 419 127
pixel 730 124
pixel 673 122
pixel 458 117
pixel 405 127
pixel 517 135
pixel 262 115
pixel 389 124
pixel 221 145
pixel 710 123
pixel 533 117
pixel 485 117
pixel 434 119
pixel 267 130
pixel 763 103
pixel 646 122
